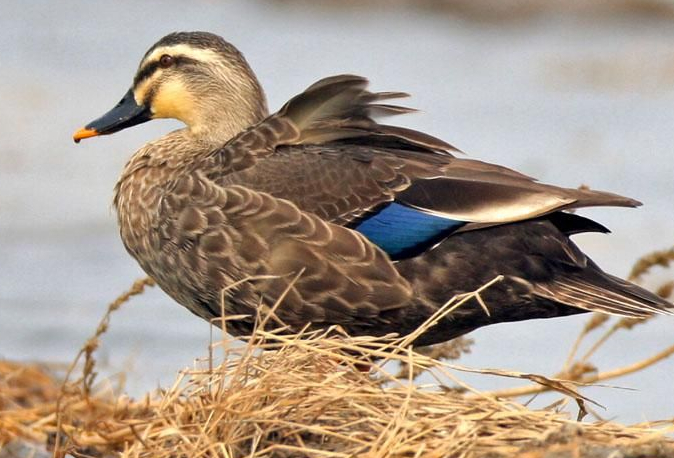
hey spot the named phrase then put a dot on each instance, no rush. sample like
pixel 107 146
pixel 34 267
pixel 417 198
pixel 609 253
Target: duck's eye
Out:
pixel 166 61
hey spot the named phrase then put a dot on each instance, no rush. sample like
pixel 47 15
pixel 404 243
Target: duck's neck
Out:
pixel 221 118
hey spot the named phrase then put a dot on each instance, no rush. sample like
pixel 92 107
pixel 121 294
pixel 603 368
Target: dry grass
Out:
pixel 305 395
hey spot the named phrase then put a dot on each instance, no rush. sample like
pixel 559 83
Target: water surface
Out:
pixel 568 100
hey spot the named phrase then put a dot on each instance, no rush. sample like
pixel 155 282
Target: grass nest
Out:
pixel 307 395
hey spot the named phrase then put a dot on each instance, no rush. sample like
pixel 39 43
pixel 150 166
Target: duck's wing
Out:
pixel 335 111
pixel 325 152
pixel 265 248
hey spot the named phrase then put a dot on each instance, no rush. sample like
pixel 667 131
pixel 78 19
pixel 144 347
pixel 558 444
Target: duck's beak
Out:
pixel 125 114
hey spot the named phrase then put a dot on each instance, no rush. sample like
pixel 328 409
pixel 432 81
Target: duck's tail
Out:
pixel 597 291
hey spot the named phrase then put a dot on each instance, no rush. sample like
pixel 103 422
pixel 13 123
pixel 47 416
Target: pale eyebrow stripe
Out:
pixel 182 54
pixel 201 54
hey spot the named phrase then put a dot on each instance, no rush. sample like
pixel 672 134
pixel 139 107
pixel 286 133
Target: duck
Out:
pixel 326 216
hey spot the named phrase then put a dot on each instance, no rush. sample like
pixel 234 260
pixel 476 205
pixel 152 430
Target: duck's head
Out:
pixel 195 77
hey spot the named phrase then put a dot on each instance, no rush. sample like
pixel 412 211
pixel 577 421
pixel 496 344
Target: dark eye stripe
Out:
pixel 152 67
pixel 145 72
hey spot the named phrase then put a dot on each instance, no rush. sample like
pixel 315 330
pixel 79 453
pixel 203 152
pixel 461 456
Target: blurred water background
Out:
pixel 572 95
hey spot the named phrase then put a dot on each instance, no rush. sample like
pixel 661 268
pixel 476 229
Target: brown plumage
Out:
pixel 377 225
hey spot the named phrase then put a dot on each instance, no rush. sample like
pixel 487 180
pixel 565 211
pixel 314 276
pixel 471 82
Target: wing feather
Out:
pixel 325 151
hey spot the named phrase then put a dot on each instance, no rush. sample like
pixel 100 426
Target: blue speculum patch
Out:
pixel 403 232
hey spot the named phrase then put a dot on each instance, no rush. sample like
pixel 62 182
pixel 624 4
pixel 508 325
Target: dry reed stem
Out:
pixel 663 258
pixel 88 374
pixel 587 379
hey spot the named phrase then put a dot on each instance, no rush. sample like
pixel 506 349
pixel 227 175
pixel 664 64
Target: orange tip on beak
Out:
pixel 84 133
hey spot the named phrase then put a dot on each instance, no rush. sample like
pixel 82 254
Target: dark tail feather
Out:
pixel 605 293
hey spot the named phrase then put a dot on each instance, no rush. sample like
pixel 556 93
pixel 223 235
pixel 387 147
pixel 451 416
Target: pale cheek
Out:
pixel 172 100
pixel 163 107
pixel 172 105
